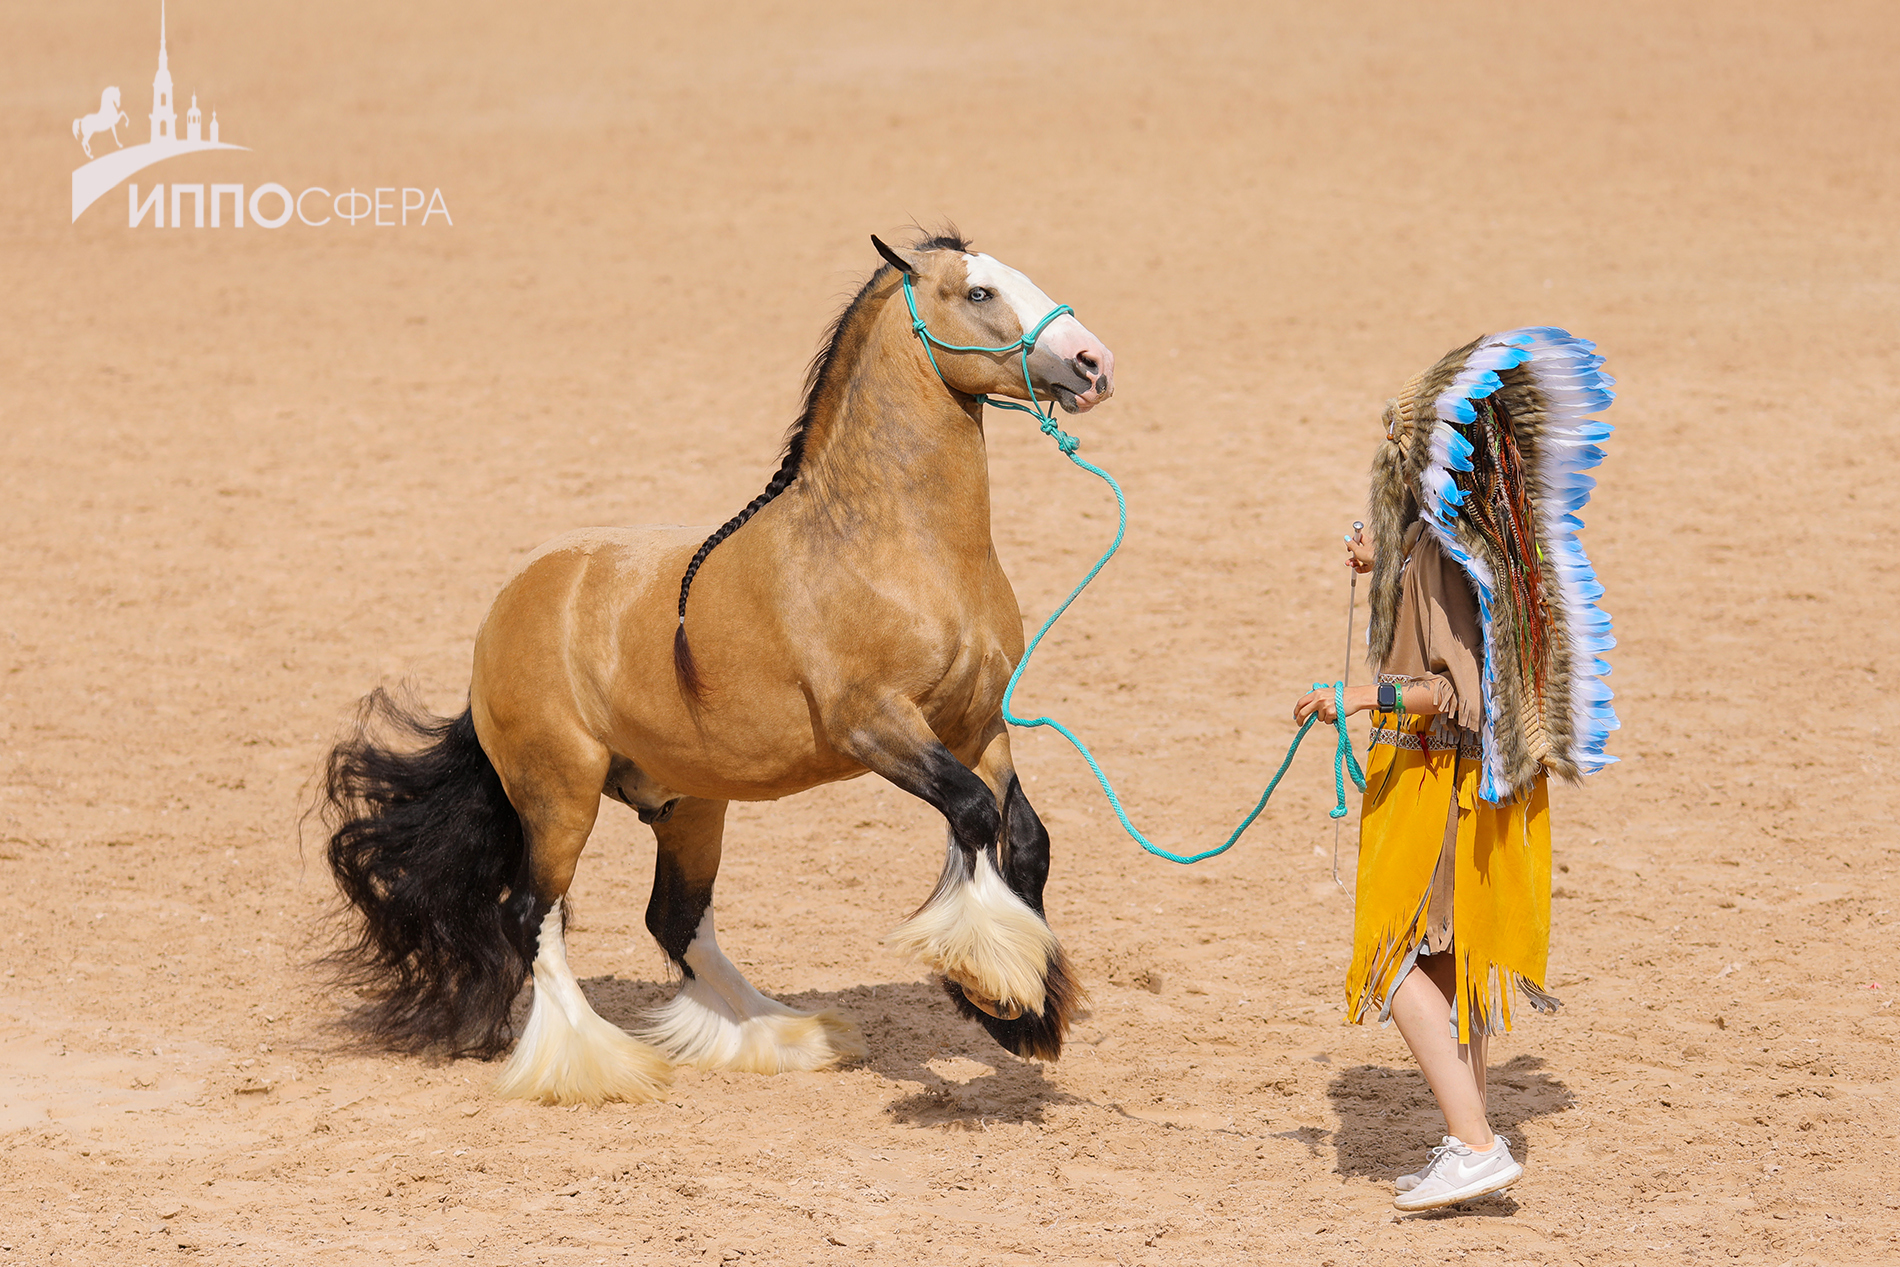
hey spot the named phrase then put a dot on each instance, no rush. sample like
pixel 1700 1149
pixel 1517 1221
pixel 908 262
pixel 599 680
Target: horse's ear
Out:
pixel 891 257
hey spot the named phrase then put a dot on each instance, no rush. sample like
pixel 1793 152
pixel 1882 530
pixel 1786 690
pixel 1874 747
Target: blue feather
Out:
pixel 1457 452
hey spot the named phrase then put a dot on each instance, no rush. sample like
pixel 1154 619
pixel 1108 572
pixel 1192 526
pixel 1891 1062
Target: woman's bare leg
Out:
pixel 1422 1009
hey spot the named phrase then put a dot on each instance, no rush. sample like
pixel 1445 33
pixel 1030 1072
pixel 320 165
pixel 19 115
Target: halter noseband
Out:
pixel 1064 441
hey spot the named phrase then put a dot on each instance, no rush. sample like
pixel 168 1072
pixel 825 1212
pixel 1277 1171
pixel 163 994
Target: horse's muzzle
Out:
pixel 1072 365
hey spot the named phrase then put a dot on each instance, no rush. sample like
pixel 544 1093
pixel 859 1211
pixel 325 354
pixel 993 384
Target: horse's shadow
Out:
pixel 906 1024
pixel 1387 1117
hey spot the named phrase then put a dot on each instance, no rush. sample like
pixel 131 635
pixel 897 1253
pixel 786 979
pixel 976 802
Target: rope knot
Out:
pixel 1064 441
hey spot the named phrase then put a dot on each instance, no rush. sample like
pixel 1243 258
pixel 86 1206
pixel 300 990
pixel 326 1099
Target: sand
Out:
pixel 247 475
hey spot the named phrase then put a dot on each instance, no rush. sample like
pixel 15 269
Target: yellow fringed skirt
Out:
pixel 1500 893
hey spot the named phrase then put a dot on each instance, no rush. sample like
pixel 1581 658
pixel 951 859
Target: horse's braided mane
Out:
pixel 818 376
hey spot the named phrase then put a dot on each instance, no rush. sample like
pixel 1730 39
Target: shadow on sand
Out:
pixel 1388 1119
pixel 905 1025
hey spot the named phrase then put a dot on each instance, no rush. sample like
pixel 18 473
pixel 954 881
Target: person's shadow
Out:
pixel 905 1024
pixel 1387 1117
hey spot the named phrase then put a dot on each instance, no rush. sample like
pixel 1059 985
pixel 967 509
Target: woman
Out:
pixel 1486 640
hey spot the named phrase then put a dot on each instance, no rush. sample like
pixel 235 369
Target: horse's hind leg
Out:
pixel 718 1020
pixel 566 1054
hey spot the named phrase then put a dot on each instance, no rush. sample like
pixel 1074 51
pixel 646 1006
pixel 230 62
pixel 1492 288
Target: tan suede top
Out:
pixel 1437 642
pixel 1437 647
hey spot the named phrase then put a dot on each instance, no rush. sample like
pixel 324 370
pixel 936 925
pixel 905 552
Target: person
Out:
pixel 1486 642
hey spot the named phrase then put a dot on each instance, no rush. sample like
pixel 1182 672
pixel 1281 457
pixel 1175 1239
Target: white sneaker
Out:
pixel 1457 1173
pixel 1405 1183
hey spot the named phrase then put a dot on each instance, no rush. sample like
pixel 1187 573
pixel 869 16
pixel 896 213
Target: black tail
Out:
pixel 424 846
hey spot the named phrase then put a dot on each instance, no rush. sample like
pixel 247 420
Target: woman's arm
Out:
pixel 1359 699
pixel 1421 697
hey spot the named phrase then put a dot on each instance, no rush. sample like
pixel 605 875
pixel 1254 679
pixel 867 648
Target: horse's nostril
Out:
pixel 1088 362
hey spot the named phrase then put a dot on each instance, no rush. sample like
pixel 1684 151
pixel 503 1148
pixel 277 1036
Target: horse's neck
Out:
pixel 894 451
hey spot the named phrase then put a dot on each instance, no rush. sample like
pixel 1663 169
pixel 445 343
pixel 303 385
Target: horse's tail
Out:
pixel 424 845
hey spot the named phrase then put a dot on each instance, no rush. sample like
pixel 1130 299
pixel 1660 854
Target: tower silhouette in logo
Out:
pixel 164 118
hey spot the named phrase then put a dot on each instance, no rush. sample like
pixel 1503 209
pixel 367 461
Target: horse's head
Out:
pixel 973 301
pixel 109 99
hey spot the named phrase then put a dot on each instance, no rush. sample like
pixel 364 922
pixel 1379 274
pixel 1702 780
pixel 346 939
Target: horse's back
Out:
pixel 577 652
pixel 582 612
pixel 586 577
pixel 643 548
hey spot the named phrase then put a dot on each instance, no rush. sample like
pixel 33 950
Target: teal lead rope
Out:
pixel 1345 761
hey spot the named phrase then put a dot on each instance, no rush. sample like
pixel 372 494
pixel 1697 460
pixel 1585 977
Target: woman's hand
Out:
pixel 1358 700
pixel 1359 550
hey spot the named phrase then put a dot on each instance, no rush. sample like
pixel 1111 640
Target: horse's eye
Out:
pixel 978 294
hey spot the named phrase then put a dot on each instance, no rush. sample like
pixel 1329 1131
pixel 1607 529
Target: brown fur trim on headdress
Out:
pixel 1392 506
pixel 1391 509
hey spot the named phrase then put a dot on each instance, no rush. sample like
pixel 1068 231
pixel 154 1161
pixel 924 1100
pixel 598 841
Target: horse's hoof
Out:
pixel 1002 1010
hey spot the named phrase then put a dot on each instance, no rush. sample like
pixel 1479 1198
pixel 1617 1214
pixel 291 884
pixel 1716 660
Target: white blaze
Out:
pixel 1064 338
pixel 1023 296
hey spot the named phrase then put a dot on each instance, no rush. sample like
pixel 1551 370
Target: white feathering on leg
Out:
pixel 719 1021
pixel 982 936
pixel 567 1054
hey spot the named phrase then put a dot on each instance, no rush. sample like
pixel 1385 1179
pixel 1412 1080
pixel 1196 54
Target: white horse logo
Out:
pixel 105 119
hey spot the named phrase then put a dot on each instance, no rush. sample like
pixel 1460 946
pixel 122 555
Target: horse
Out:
pixel 105 119
pixel 852 618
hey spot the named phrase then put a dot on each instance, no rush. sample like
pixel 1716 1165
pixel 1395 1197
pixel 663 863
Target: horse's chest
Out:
pixel 970 675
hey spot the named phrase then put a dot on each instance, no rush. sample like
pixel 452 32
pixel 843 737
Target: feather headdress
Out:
pixel 1490 447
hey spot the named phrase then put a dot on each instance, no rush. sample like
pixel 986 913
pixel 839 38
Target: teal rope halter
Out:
pixel 1345 761
pixel 1064 441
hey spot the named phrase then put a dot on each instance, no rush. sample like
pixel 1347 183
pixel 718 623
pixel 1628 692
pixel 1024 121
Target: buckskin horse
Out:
pixel 852 618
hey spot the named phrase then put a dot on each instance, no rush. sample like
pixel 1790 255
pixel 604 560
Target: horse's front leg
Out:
pixel 982 926
pixel 1022 846
pixel 1022 858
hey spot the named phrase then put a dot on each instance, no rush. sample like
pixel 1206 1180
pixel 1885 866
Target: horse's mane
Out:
pixel 819 374
pixel 819 377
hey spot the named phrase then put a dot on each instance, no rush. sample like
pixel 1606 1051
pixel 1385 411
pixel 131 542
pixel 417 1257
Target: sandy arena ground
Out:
pixel 247 475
